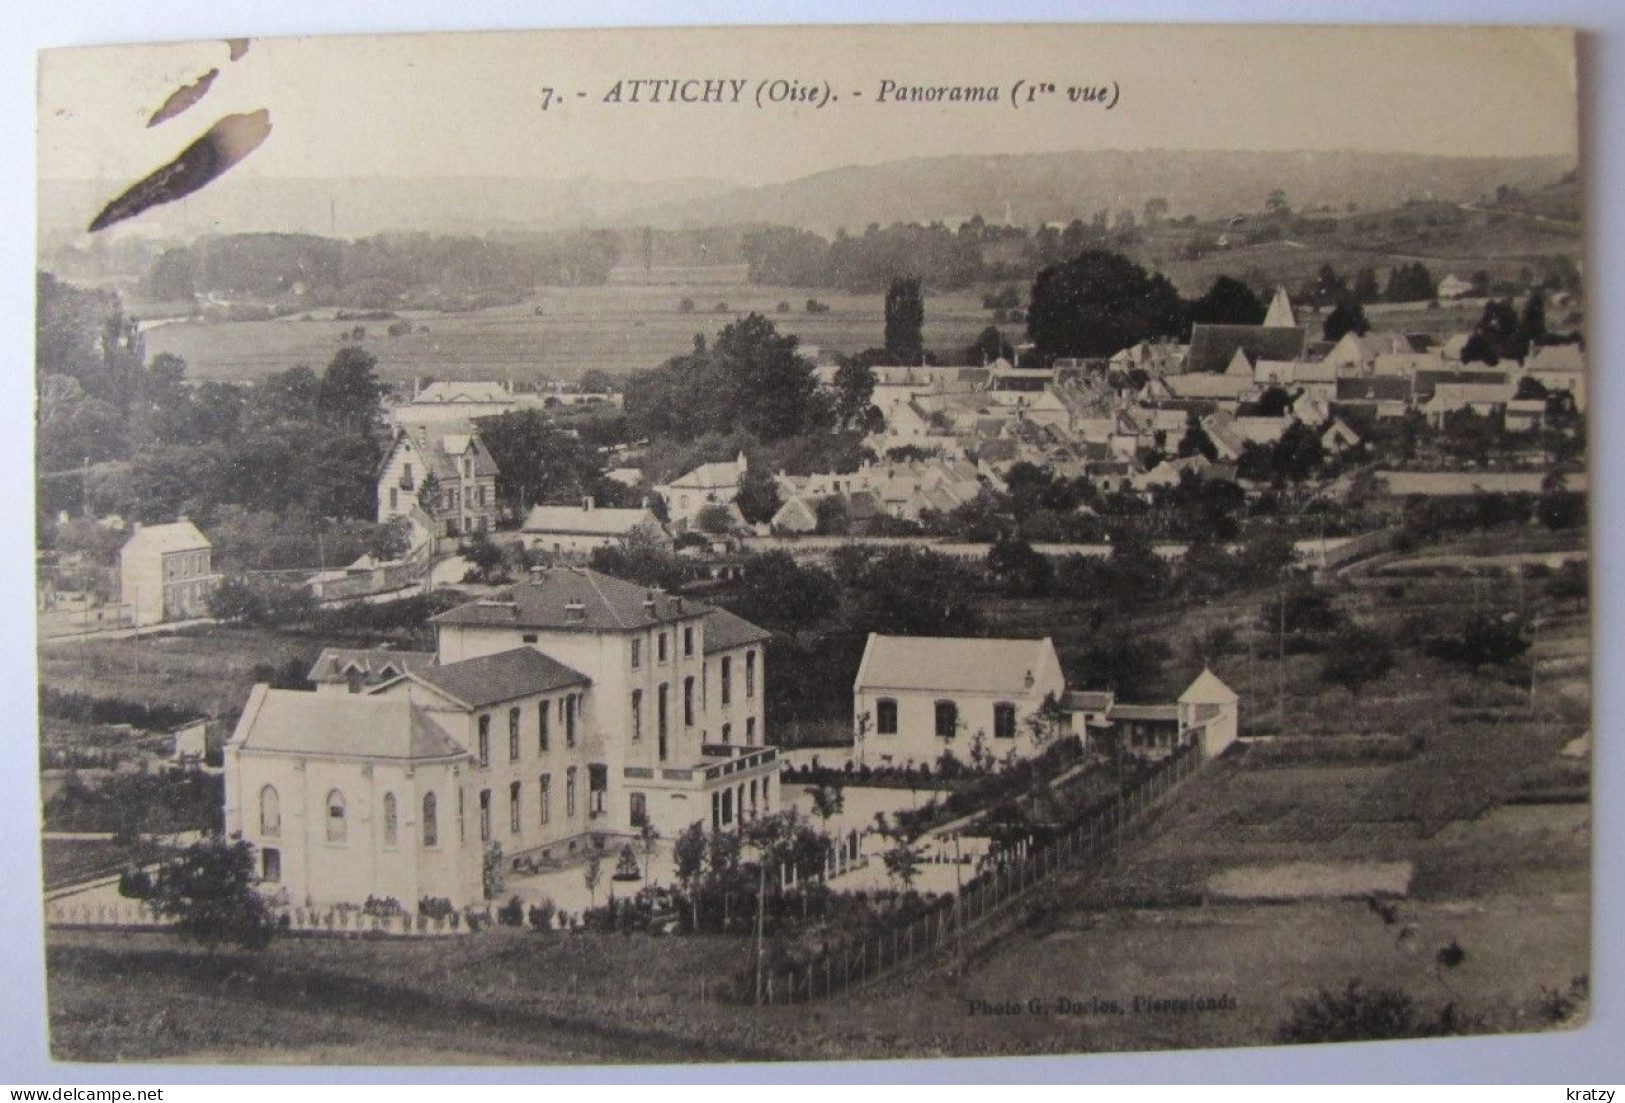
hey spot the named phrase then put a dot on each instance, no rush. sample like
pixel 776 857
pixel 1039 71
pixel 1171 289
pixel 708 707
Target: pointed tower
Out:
pixel 1280 314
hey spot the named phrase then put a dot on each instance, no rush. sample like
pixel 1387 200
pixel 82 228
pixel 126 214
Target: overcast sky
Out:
pixel 456 105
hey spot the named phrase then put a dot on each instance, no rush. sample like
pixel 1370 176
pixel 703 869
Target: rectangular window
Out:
pixel 688 702
pixel 688 641
pixel 270 864
pixel 886 716
pixel 947 719
pixel 513 808
pixel 750 731
pixel 750 674
pixel 484 749
pixel 570 720
pixel 485 815
pixel 727 733
pixel 637 714
pixel 541 727
pixel 1004 720
pixel 661 718
pixel 462 828
pixel 637 654
pixel 639 805
pixel 660 647
pixel 513 735
pixel 727 679
pixel 570 791
pixel 544 799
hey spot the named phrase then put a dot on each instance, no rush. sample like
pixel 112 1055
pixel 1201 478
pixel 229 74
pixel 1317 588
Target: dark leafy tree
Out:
pixel 854 392
pixel 351 393
pixel 1355 657
pixel 1099 303
pixel 1347 316
pixel 1365 286
pixel 1228 302
pixel 778 592
pixel 209 892
pixel 1018 569
pixel 758 498
pixel 905 320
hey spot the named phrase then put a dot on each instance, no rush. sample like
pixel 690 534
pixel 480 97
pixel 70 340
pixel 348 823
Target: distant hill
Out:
pixel 1058 187
pixel 351 208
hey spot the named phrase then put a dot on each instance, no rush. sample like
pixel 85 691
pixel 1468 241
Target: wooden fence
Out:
pixel 983 898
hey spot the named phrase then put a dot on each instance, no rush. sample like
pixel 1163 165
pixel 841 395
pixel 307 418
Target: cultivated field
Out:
pixel 209 670
pixel 619 327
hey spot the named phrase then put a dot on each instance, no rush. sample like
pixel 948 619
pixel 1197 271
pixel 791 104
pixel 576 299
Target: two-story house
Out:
pixel 445 472
pixel 166 572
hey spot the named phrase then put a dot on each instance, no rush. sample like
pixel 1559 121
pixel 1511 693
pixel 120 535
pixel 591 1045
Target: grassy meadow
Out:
pixel 559 332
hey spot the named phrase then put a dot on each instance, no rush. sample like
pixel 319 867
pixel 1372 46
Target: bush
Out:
pixel 512 914
pixel 436 907
pixel 135 884
pixel 542 914
pixel 1355 1014
pixel 382 907
pixel 209 892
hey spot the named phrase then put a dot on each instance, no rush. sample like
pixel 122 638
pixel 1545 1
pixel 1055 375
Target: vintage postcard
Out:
pixel 811 543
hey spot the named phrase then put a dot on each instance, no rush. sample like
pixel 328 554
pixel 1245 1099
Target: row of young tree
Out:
pixel 305 271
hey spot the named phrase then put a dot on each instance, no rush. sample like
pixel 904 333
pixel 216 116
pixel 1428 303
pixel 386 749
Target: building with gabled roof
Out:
pixel 923 695
pixel 166 573
pixel 709 484
pixel 565 712
pixel 1213 347
pixel 573 532
pixel 442 472
pixel 355 669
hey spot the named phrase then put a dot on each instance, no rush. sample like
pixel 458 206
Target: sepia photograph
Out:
pixel 826 543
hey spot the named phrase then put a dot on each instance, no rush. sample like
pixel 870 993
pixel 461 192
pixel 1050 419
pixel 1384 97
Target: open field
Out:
pixel 209 670
pixel 617 328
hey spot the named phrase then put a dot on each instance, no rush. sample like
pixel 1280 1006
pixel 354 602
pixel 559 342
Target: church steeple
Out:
pixel 1280 314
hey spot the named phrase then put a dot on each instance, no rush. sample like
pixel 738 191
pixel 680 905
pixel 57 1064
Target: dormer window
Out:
pixel 575 612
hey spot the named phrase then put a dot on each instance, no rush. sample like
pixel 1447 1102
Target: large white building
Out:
pixel 562 712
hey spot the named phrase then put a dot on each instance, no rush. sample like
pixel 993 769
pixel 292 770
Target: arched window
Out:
pixel 337 829
pixel 886 716
pixel 1004 720
pixel 431 821
pixel 947 719
pixel 270 812
pixel 391 821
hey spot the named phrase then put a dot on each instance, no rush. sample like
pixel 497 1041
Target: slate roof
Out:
pixel 174 537
pixel 1078 700
pixel 1157 713
pixel 605 604
pixel 291 721
pixel 725 631
pixel 1213 346
pixel 1378 388
pixel 441 445
pixel 492 679
pixel 449 391
pixel 334 663
pixel 587 522
pixel 951 664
